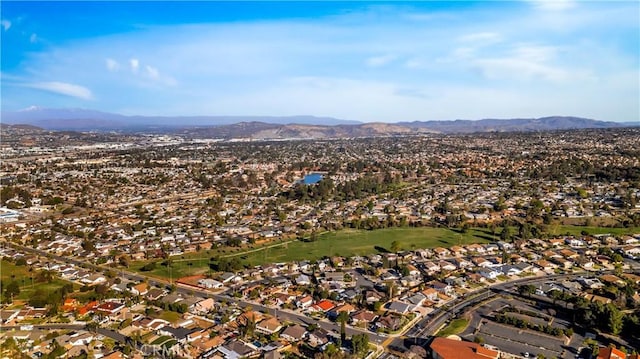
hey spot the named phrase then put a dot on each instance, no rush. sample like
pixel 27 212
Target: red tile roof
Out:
pixel 326 305
pixel 456 349
pixel 611 353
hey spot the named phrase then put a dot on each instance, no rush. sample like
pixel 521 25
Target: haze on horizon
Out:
pixel 362 61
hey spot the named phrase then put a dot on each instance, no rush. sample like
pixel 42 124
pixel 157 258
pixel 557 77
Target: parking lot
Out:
pixel 514 340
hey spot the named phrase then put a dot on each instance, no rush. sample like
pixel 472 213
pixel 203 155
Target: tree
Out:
pixel 505 235
pixel 527 290
pixel 360 344
pixel 395 246
pixel 614 319
pixel 342 318
pixel 11 290
pixel 56 351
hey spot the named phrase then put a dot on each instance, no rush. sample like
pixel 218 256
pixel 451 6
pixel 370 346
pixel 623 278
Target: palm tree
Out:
pixel 342 318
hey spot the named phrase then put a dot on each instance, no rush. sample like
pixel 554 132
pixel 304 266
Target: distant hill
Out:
pixel 85 120
pixel 22 127
pixel 259 130
pixel 519 124
pixel 283 127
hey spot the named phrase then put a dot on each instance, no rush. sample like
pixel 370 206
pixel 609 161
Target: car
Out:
pixel 525 354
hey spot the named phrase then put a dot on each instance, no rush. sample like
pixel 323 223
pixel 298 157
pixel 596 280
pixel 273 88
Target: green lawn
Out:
pixel 169 316
pixel 577 230
pixel 161 340
pixel 456 326
pixel 10 272
pixel 347 242
pixel 351 242
pixel 178 269
pixel 27 291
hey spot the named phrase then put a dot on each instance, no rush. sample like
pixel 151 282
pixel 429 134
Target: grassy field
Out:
pixel 343 243
pixel 360 242
pixel 350 242
pixel 577 230
pixel 178 269
pixel 10 271
pixel 456 326
pixel 21 274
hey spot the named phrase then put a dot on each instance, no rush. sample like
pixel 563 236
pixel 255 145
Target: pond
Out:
pixel 312 178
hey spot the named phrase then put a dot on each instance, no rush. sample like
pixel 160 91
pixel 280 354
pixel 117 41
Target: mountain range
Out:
pixel 283 127
pixel 90 120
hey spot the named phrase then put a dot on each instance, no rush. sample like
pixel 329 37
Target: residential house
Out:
pixel 140 289
pixel 203 306
pixel 398 307
pixel 228 277
pixel 93 279
pixel 111 308
pixel 441 287
pixel 545 265
pixel 155 293
pixel 441 252
pixel 372 296
pixel 562 263
pixel 476 249
pixel 510 270
pixel 481 262
pixel 293 333
pixel 430 294
pixel 236 349
pixel 448 266
pixel 461 263
pixel 568 254
pixel 458 251
pixel 612 279
pixel 363 317
pixel 318 337
pixel 389 321
pixel 303 279
pixel 347 308
pixel 431 267
pixel 304 302
pixel 209 283
pixel 180 334
pixel 324 305
pixel 269 326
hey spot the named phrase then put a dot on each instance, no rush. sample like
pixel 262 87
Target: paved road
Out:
pixel 430 324
pixel 46 326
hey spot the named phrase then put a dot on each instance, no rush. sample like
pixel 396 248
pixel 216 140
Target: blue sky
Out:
pixel 365 61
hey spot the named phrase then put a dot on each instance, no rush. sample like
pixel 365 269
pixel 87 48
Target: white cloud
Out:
pixel 520 69
pixel 33 38
pixel 152 72
pixel 554 5
pixel 535 52
pixel 378 61
pixel 63 88
pixel 414 63
pixel 112 65
pixel 529 62
pixel 135 64
pixel 481 38
pixel 6 24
